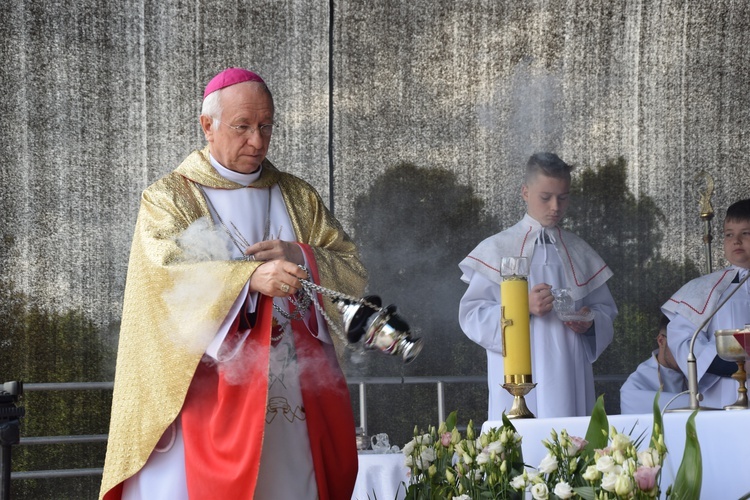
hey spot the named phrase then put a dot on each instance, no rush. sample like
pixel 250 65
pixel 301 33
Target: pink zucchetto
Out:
pixel 228 77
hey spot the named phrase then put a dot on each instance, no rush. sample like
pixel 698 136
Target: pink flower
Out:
pixel 445 439
pixel 576 445
pixel 645 477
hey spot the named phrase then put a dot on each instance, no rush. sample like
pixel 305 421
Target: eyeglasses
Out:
pixel 264 130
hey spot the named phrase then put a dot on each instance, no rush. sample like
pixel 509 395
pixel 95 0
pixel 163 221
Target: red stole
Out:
pixel 223 424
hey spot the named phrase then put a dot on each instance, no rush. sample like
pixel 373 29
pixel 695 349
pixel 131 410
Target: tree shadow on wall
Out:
pixel 627 232
pixel 412 229
pixel 40 346
pixel 416 224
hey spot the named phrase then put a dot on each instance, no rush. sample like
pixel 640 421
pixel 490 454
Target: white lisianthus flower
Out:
pixel 409 447
pixel 460 448
pixel 495 447
pixel 608 481
pixel 518 482
pixel 462 497
pixel 605 464
pixel 591 474
pixel 455 436
pixel 409 462
pixel 450 476
pixel 540 491
pixel 620 442
pixel 428 455
pixel 629 466
pixel 483 458
pixel 424 439
pixel 563 490
pixel 548 464
pixel 623 485
pixel 618 456
pixel 649 458
pixel 532 475
pixel 576 445
pixel 432 470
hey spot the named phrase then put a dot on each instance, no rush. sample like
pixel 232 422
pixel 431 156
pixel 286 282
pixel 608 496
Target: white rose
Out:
pixel 563 490
pixel 548 464
pixel 540 492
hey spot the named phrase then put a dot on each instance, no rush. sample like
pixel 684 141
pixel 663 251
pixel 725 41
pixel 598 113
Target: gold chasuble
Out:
pixel 173 305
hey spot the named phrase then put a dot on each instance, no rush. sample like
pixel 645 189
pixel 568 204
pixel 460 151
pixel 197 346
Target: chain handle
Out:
pixel 308 294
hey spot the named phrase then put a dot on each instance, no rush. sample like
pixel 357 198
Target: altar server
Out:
pixel 660 372
pixel 562 353
pixel 698 299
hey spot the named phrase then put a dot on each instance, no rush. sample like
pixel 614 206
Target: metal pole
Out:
pixel 441 402
pixel 362 408
pixel 706 214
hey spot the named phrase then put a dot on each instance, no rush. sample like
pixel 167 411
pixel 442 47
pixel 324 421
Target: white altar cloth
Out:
pixel 380 476
pixel 724 438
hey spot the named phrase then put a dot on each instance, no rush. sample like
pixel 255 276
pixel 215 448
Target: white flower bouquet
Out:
pixel 445 465
pixel 606 465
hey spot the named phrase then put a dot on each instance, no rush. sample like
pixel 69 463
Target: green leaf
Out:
pixel 658 428
pixel 687 483
pixel 450 422
pixel 586 492
pixel 597 434
pixel 508 423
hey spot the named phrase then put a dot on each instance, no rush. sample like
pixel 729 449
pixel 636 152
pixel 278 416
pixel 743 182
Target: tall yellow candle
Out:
pixel 514 323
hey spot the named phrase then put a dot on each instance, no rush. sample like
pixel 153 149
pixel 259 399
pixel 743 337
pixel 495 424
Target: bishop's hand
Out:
pixel 276 250
pixel 277 278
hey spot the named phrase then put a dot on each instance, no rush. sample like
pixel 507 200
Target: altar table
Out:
pixel 724 438
pixel 380 477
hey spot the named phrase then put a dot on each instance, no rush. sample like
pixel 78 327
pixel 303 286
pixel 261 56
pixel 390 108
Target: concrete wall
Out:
pixel 101 98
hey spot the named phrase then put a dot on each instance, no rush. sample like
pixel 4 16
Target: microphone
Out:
pixel 692 374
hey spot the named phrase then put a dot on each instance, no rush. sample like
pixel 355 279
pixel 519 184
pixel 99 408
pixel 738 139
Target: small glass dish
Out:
pixel 564 304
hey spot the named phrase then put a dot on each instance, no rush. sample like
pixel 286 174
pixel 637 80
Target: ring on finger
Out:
pixel 284 288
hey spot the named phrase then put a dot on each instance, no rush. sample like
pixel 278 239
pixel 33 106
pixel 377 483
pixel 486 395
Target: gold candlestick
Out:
pixel 515 333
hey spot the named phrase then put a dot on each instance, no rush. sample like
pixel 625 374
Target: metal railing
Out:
pixel 360 382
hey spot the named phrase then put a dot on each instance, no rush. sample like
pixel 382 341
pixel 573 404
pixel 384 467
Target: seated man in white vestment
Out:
pixel 660 372
pixel 694 303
